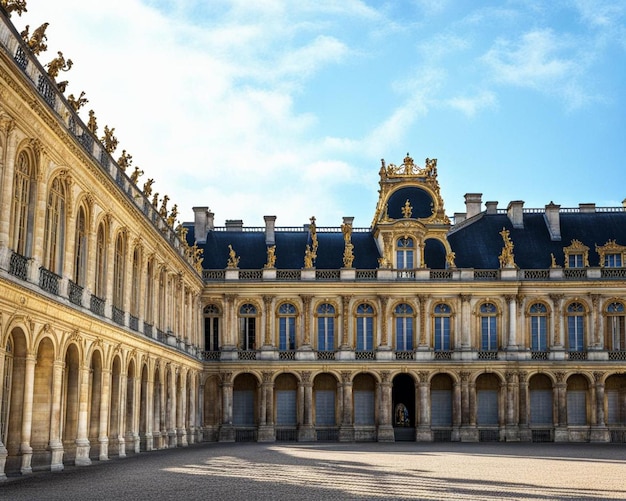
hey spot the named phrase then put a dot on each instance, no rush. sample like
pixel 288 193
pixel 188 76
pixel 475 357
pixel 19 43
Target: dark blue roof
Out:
pixel 479 244
pixel 290 248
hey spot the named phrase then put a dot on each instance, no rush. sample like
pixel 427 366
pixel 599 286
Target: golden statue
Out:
pixel 507 258
pixel 407 210
pixel 92 125
pixel 125 160
pixel 134 177
pixel 155 200
pixel 10 6
pixel 61 86
pixel 109 140
pixel 171 219
pixel 163 209
pixel 58 64
pixel 36 43
pixel 77 104
pixel 271 258
pixel 346 229
pixel 431 167
pixel 313 231
pixel 233 260
pixel 147 187
pixel 181 231
pixel 348 255
pixel 450 256
pixel 309 257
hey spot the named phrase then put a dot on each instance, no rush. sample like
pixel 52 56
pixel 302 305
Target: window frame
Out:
pixel 247 319
pixel 326 326
pixel 364 318
pixel 489 330
pixel 404 327
pixel 286 317
pixel 538 326
pixel 575 315
pixel 440 319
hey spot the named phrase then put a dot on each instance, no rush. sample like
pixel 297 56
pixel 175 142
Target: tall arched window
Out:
pixel 538 318
pixel 162 313
pixel 615 331
pixel 441 327
pixel 575 327
pixel 405 253
pixel 403 322
pixel 54 234
pixel 247 327
pixel 364 327
pixel 211 328
pixel 488 327
pixel 286 327
pixel 149 302
pixel 80 253
pixel 101 262
pixel 23 202
pixel 135 287
pixel 325 327
pixel 119 270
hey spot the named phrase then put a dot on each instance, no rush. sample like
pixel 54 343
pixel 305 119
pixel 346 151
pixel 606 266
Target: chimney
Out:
pixel 587 208
pixel 473 203
pixel 459 217
pixel 553 221
pixel 348 220
pixel 200 223
pixel 234 225
pixel 210 221
pixel 492 207
pixel 515 211
pixel 270 238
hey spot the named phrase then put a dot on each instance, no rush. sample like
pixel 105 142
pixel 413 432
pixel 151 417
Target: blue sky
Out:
pixel 285 108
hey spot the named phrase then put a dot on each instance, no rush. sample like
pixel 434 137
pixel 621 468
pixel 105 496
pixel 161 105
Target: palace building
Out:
pixel 122 331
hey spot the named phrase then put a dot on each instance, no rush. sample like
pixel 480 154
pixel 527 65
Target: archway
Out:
pixel 70 421
pixel 441 398
pixel 285 407
pixel 615 401
pixel 403 407
pixel 488 407
pixel 245 403
pixel 42 405
pixel 364 405
pixel 13 398
pixel 114 407
pixel 212 409
pixel 541 408
pixel 325 407
pixel 95 404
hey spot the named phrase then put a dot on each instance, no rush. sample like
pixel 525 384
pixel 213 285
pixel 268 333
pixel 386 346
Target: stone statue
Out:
pixel 171 219
pixel 36 43
pixel 155 200
pixel 348 255
pixel 10 6
pixel 163 209
pixel 309 256
pixel 450 256
pixel 507 258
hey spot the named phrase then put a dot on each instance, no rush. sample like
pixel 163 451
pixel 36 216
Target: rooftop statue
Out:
pixel 233 259
pixel 147 187
pixel 134 177
pixel 58 64
pixel 125 160
pixel 77 104
pixel 271 258
pixel 109 140
pixel 36 43
pixel 507 258
pixel 92 125
pixel 10 6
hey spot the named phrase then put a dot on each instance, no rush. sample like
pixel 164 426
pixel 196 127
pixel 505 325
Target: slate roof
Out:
pixel 476 244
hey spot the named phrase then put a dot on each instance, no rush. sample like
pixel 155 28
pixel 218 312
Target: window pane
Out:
pixel 441 407
pixel 541 407
pixel 243 407
pixel 487 407
pixel 577 407
pixel 363 407
pixel 286 407
pixel 325 408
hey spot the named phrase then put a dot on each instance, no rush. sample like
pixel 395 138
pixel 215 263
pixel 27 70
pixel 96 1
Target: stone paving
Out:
pixel 340 471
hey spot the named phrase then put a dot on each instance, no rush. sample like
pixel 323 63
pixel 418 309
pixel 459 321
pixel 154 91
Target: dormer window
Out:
pixel 405 253
pixel 576 255
pixel 611 254
pixel 575 261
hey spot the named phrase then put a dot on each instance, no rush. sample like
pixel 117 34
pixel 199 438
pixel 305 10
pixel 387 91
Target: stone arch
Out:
pixel 442 405
pixel 541 404
pixel 365 415
pixel 116 438
pixel 325 405
pixel 404 406
pixel 245 400
pixel 212 407
pixel 489 400
pixel 71 385
pixel 95 405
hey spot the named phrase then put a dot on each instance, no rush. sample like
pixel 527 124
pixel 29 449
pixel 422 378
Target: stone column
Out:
pixel 227 430
pixel 193 422
pixel 599 432
pixel 465 322
pixel 512 326
pixel 346 339
pixel 56 444
pixel 512 410
pixel 595 340
pixel 171 425
pixel 267 302
pixel 229 335
pixel 306 318
pixel 560 390
pixel 27 414
pixel 384 337
pixel 456 411
pixel 82 442
pixel 306 431
pixel 182 418
pixel 557 322
pixel 525 433
pixel 150 410
pixel 121 426
pixel 385 428
pixel 266 422
pixel 103 428
pixel 7 128
pixel 422 335
pixel 423 431
pixel 346 429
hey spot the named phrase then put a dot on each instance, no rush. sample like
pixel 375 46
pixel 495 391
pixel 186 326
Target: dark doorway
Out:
pixel 403 407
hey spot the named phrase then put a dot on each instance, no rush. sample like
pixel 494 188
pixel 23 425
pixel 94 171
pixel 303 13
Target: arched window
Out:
pixel 364 327
pixel 119 270
pixel 325 327
pixel 80 253
pixel 441 327
pixel 135 288
pixel 23 205
pixel 538 318
pixel 54 234
pixel 575 327
pixel 101 262
pixel 149 302
pixel 162 313
pixel 403 321
pixel 247 327
pixel 488 327
pixel 405 253
pixel 286 327
pixel 615 332
pixel 212 316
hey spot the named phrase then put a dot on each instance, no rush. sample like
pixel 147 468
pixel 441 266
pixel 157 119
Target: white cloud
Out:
pixel 471 105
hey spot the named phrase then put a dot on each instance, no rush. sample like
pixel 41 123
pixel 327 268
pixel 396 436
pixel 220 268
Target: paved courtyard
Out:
pixel 335 471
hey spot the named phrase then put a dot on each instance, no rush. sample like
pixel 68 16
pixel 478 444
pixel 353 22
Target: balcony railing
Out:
pixel 49 281
pixel 75 293
pixel 118 315
pixel 96 305
pixel 539 355
pixel 147 329
pixel 487 355
pixel 18 266
pixel 133 322
pixel 617 355
pixel 577 355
